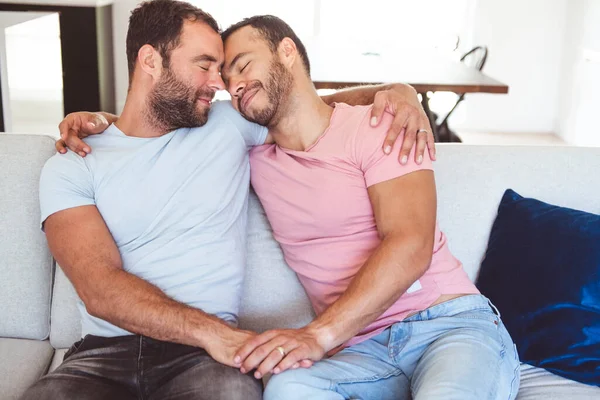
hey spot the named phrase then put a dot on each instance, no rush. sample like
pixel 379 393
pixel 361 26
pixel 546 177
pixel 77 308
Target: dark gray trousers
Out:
pixel 141 368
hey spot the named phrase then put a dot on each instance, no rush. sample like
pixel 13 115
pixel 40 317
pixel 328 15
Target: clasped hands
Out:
pixel 278 350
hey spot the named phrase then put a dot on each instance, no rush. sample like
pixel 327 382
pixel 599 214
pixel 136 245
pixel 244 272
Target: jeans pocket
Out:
pixel 482 314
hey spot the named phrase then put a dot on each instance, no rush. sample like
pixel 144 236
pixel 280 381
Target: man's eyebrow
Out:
pixel 204 57
pixel 236 59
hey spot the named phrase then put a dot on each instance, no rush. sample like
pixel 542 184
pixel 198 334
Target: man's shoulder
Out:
pixel 103 145
pixel 68 160
pixel 350 119
pixel 223 107
pixel 354 121
pixel 358 115
pixel 109 139
pixel 350 110
pixel 223 110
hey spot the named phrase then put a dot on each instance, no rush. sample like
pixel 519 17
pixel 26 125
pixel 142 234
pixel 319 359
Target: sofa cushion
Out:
pixel 272 296
pixel 65 320
pixel 57 359
pixel 542 270
pixel 471 179
pixel 25 261
pixel 22 363
pixel 539 384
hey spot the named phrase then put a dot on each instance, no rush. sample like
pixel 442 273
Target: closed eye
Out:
pixel 242 70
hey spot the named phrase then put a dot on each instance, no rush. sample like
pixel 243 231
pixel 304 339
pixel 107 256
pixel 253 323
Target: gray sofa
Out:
pixel 39 320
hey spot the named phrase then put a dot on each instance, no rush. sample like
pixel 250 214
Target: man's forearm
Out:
pixel 138 306
pixel 365 95
pixel 388 273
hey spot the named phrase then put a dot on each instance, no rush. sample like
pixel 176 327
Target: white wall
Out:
pixel 580 88
pixel 121 12
pixel 527 44
pixel 525 40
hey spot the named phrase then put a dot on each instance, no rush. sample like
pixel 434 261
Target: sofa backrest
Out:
pixel 25 261
pixel 470 182
pixel 472 179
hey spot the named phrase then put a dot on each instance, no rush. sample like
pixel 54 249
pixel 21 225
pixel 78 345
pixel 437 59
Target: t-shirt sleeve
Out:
pixel 253 134
pixel 65 182
pixel 378 167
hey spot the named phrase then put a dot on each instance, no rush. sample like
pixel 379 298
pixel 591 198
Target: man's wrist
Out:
pixel 323 334
pixel 210 332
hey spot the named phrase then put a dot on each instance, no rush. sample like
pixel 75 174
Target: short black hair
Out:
pixel 159 23
pixel 273 30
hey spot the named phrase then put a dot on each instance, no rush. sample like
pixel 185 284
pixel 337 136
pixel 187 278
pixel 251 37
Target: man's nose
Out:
pixel 216 82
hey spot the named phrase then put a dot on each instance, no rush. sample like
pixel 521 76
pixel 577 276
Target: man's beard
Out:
pixel 173 104
pixel 278 89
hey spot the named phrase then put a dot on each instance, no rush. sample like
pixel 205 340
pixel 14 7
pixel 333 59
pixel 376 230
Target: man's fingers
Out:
pixel 408 140
pixel 60 146
pixel 262 352
pixel 268 363
pixel 77 145
pixel 407 145
pixel 96 124
pixel 379 105
pixel 296 356
pixel 431 143
pixel 63 129
pixel 397 128
pixel 251 345
pixel 421 144
pixel 303 364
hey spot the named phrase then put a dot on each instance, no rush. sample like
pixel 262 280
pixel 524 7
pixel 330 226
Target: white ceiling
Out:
pixel 84 3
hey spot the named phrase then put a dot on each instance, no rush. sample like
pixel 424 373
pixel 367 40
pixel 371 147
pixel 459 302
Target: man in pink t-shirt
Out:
pixel 396 313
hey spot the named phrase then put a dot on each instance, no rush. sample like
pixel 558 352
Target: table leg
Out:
pixel 430 116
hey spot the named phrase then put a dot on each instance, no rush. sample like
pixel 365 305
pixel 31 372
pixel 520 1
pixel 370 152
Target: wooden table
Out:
pixel 426 71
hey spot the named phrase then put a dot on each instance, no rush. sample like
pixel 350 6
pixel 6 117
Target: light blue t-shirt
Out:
pixel 175 205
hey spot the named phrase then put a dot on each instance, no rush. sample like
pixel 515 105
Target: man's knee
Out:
pixel 49 389
pixel 235 385
pixel 291 384
pixel 218 381
pixel 62 386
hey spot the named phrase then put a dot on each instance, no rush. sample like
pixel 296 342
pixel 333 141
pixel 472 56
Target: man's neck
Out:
pixel 135 120
pixel 304 120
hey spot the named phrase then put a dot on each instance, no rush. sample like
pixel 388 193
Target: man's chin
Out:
pixel 202 120
pixel 202 115
pixel 248 117
pixel 251 115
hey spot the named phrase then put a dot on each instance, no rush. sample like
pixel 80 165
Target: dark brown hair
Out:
pixel 273 30
pixel 159 24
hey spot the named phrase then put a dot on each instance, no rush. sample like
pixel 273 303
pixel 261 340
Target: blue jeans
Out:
pixel 459 350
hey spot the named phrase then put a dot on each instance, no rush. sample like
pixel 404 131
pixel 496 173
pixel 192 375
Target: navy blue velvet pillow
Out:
pixel 542 271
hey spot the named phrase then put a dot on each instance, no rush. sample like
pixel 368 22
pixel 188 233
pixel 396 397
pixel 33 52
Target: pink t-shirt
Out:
pixel 319 209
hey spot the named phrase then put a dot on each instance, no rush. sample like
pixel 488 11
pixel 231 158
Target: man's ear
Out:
pixel 150 61
pixel 288 52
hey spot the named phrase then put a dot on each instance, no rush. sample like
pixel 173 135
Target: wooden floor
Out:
pixel 511 138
